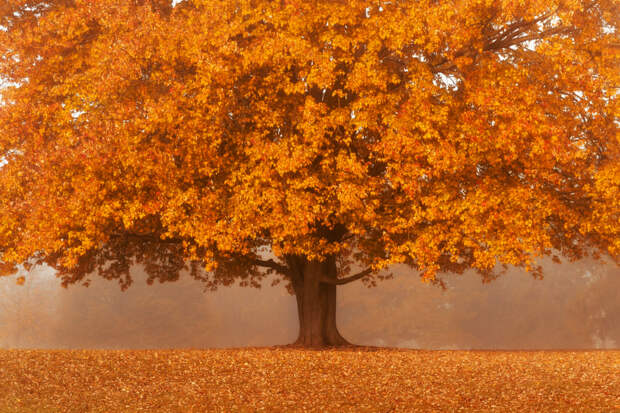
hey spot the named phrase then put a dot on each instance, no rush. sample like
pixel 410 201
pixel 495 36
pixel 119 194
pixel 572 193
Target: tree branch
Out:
pixel 536 36
pixel 282 269
pixel 346 280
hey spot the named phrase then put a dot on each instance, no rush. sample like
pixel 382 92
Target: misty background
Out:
pixel 576 306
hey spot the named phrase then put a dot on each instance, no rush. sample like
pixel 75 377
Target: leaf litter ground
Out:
pixel 289 380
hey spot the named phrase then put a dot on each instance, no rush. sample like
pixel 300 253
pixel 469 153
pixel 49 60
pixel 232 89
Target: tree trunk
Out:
pixel 316 304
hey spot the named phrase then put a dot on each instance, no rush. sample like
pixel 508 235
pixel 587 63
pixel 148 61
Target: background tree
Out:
pixel 444 135
pixel 25 311
pixel 574 307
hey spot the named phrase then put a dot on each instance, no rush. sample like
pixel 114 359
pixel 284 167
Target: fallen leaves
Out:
pixel 285 379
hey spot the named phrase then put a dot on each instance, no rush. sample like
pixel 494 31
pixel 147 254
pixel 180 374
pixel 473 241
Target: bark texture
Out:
pixel 316 303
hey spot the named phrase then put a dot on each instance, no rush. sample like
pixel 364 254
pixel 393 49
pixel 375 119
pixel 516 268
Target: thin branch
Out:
pixel 504 39
pixel 537 36
pixel 282 269
pixel 512 29
pixel 346 280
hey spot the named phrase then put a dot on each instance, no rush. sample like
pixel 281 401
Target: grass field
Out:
pixel 286 379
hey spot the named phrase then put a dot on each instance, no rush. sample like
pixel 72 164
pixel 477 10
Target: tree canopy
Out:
pixel 445 135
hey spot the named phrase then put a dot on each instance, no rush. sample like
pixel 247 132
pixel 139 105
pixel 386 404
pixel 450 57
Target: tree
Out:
pixel 307 138
pixel 574 307
pixel 22 322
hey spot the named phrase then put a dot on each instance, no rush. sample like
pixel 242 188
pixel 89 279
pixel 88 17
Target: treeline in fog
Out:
pixel 575 306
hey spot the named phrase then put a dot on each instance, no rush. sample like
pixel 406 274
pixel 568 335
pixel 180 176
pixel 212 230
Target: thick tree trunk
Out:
pixel 316 304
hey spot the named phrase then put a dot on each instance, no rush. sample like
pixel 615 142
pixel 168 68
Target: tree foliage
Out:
pixel 445 135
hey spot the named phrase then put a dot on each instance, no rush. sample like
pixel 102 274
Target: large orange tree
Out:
pixel 307 138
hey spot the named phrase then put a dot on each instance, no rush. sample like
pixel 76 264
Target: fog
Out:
pixel 576 306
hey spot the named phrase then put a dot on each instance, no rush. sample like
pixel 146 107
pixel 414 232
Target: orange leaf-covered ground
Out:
pixel 286 379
